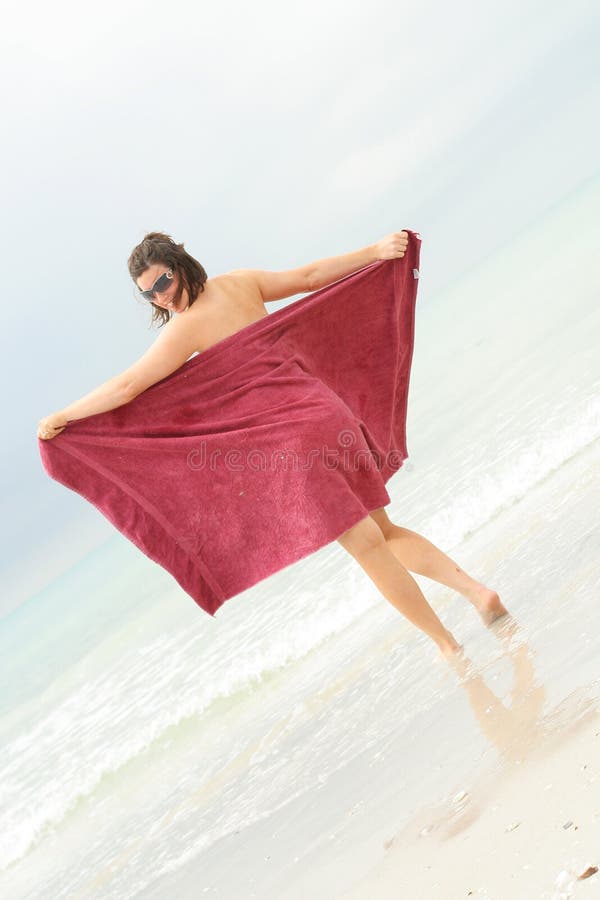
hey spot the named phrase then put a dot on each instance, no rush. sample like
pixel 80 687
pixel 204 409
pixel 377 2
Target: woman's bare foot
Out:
pixel 448 647
pixel 487 603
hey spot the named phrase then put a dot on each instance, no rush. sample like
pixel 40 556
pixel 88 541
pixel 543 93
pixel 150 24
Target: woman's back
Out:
pixel 228 303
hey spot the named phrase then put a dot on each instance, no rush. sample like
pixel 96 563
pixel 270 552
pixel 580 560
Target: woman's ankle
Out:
pixel 448 645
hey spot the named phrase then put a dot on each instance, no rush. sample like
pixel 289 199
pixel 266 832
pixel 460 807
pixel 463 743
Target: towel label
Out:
pixel 415 273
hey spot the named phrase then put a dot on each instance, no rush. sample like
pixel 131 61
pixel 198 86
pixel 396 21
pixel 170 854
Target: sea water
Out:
pixel 151 751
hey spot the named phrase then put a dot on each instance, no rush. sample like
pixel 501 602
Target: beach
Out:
pixel 308 742
pixel 493 789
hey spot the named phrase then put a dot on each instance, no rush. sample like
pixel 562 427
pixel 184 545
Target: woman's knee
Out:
pixel 366 535
pixel 386 525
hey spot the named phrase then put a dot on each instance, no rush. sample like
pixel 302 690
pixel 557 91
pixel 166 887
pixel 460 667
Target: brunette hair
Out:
pixel 158 247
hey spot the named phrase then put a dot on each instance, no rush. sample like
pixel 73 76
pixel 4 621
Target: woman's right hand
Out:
pixel 393 246
pixel 50 426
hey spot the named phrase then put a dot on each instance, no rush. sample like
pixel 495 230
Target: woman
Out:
pixel 197 313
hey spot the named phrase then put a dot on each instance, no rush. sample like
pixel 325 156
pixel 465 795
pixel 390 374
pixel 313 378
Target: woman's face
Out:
pixel 166 297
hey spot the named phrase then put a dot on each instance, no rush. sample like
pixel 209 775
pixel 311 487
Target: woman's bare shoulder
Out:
pixel 238 284
pixel 242 279
pixel 230 294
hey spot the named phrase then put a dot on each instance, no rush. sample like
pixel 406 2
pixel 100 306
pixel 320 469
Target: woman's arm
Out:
pixel 174 345
pixel 325 271
pixel 114 392
pixel 318 274
pixel 109 395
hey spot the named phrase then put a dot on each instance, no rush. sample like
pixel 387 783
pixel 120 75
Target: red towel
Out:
pixel 263 448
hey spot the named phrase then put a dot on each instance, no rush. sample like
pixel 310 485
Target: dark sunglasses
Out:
pixel 160 285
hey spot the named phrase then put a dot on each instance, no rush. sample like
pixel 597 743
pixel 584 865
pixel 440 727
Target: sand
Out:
pixel 525 829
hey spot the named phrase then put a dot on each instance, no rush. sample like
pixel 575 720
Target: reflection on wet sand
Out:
pixel 518 730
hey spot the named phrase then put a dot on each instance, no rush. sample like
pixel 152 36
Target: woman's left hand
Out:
pixel 393 246
pixel 51 426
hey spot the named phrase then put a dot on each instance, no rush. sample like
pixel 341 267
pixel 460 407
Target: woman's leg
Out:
pixel 419 555
pixel 366 543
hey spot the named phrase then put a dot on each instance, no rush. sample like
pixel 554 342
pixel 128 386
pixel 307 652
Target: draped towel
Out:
pixel 266 446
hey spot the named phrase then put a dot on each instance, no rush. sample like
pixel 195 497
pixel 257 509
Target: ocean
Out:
pixel 151 751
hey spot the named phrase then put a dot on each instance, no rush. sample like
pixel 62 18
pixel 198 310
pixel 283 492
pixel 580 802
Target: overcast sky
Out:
pixel 263 135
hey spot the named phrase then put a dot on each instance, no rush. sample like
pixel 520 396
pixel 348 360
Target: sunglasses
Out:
pixel 160 285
